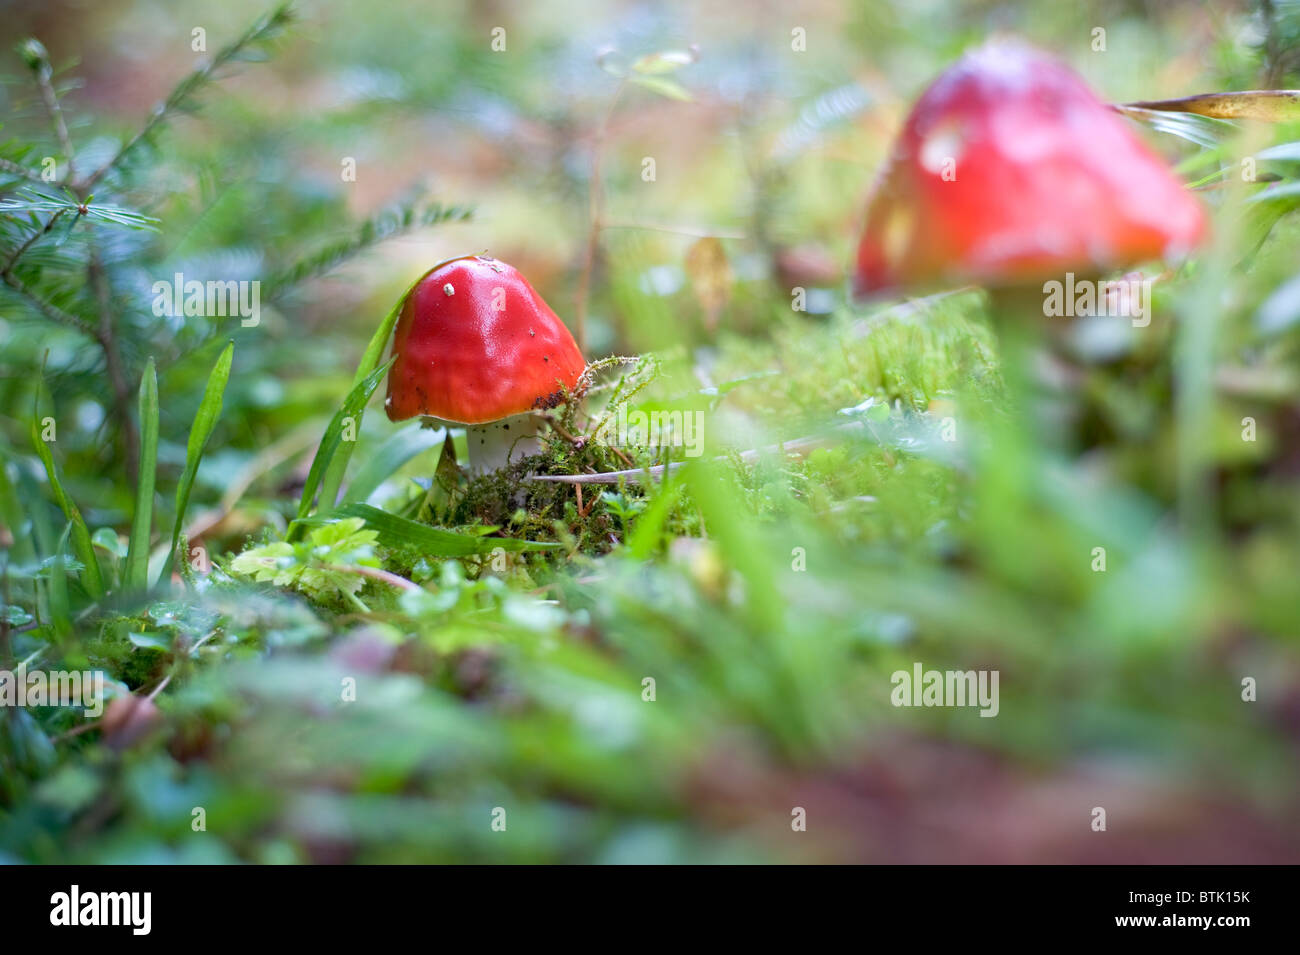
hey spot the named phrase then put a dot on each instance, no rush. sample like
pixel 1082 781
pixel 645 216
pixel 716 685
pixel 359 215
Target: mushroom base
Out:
pixel 493 446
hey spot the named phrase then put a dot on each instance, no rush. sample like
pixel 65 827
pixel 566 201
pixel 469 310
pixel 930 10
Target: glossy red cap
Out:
pixel 475 343
pixel 1009 169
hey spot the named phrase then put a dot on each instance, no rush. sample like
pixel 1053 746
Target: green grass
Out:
pixel 660 670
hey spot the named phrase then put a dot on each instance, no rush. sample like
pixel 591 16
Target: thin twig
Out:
pixel 578 442
pixel 31 241
pixel 52 312
pixel 184 91
pixel 162 685
pixel 8 165
pixel 374 573
pixel 44 75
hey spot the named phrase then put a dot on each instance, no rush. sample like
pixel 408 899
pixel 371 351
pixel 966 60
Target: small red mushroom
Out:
pixel 477 346
pixel 1009 170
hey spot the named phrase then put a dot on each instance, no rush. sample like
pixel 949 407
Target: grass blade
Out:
pixel 91 578
pixel 333 439
pixel 431 541
pixel 1203 130
pixel 56 588
pixel 205 420
pixel 11 515
pixel 404 445
pixel 648 533
pixel 136 576
pixel 332 478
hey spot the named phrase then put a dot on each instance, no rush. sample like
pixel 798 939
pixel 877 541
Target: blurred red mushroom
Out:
pixel 477 346
pixel 1009 170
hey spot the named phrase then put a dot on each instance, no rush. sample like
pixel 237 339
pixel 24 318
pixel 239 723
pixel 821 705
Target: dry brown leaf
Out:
pixel 711 278
pixel 1272 106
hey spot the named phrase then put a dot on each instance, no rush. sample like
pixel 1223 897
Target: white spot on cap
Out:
pixel 448 289
pixel 946 142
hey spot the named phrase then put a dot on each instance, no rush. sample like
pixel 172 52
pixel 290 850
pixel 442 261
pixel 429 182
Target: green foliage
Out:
pixel 658 668
pixel 316 566
pixel 205 421
pixel 345 417
pixel 93 579
pixel 31 203
pixel 136 574
pixel 397 531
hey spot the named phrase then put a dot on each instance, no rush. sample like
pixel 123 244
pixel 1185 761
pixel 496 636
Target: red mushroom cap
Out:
pixel 475 343
pixel 1009 169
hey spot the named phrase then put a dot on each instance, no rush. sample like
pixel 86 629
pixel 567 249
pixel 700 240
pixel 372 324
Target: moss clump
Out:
pixel 544 510
pixel 523 507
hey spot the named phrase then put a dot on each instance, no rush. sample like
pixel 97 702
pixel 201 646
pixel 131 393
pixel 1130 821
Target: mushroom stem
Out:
pixel 1030 366
pixel 494 445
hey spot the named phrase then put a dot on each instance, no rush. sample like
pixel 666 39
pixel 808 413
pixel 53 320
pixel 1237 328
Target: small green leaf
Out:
pixel 149 641
pixel 316 566
pixel 14 615
pixel 274 562
pixel 107 540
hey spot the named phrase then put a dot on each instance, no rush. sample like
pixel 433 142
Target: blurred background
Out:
pixel 776 146
pixel 524 130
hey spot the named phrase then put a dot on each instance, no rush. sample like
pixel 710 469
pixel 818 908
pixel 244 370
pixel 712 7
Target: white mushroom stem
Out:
pixel 494 445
